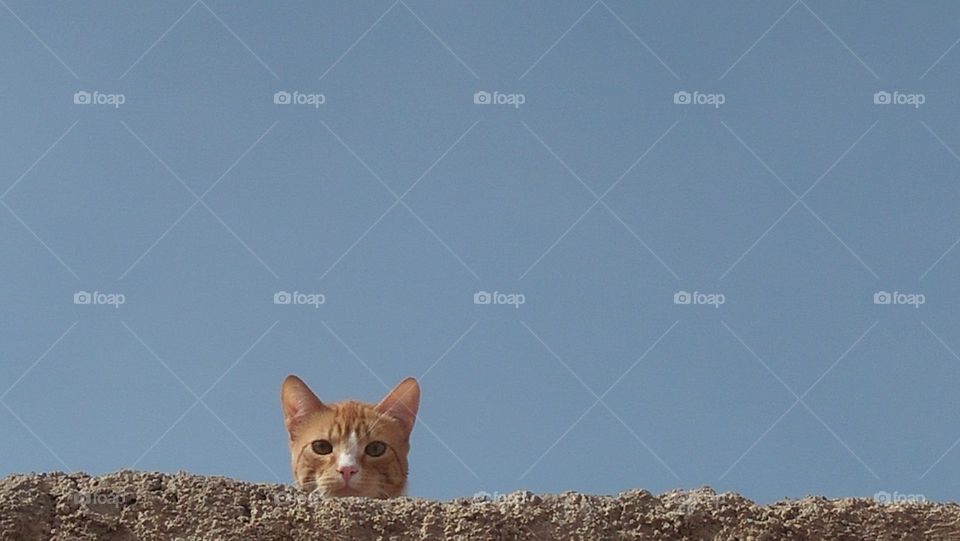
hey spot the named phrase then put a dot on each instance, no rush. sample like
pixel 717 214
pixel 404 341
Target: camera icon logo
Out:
pixel 682 297
pixel 681 98
pixel 282 297
pixel 82 98
pixel 882 297
pixel 882 98
pixel 482 97
pixel 482 297
pixel 282 97
pixel 82 297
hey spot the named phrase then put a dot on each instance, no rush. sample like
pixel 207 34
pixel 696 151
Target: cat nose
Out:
pixel 347 472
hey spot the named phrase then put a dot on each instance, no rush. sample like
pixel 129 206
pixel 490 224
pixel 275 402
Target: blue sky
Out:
pixel 792 169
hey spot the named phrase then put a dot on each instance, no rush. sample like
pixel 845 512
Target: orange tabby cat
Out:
pixel 350 448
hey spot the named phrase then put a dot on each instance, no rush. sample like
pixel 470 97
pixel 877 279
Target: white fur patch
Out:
pixel 349 454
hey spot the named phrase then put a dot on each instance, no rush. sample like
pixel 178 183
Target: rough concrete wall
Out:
pixel 140 505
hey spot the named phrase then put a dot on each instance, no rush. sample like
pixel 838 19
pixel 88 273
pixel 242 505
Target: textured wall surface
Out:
pixel 141 505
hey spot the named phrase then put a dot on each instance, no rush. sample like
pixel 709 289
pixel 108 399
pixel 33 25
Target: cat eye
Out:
pixel 376 448
pixel 321 447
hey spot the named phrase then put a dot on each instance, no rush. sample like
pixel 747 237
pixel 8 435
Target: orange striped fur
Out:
pixel 350 448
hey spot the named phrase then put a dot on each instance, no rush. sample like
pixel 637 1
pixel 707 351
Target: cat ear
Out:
pixel 298 401
pixel 402 403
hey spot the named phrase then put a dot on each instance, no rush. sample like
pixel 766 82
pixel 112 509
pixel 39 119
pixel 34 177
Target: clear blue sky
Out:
pixel 597 199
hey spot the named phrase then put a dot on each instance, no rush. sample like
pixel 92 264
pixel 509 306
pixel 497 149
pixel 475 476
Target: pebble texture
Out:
pixel 132 505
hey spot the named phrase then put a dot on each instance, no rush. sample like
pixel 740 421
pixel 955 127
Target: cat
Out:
pixel 350 448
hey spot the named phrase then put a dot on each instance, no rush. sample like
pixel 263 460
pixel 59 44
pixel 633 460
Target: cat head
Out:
pixel 350 448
